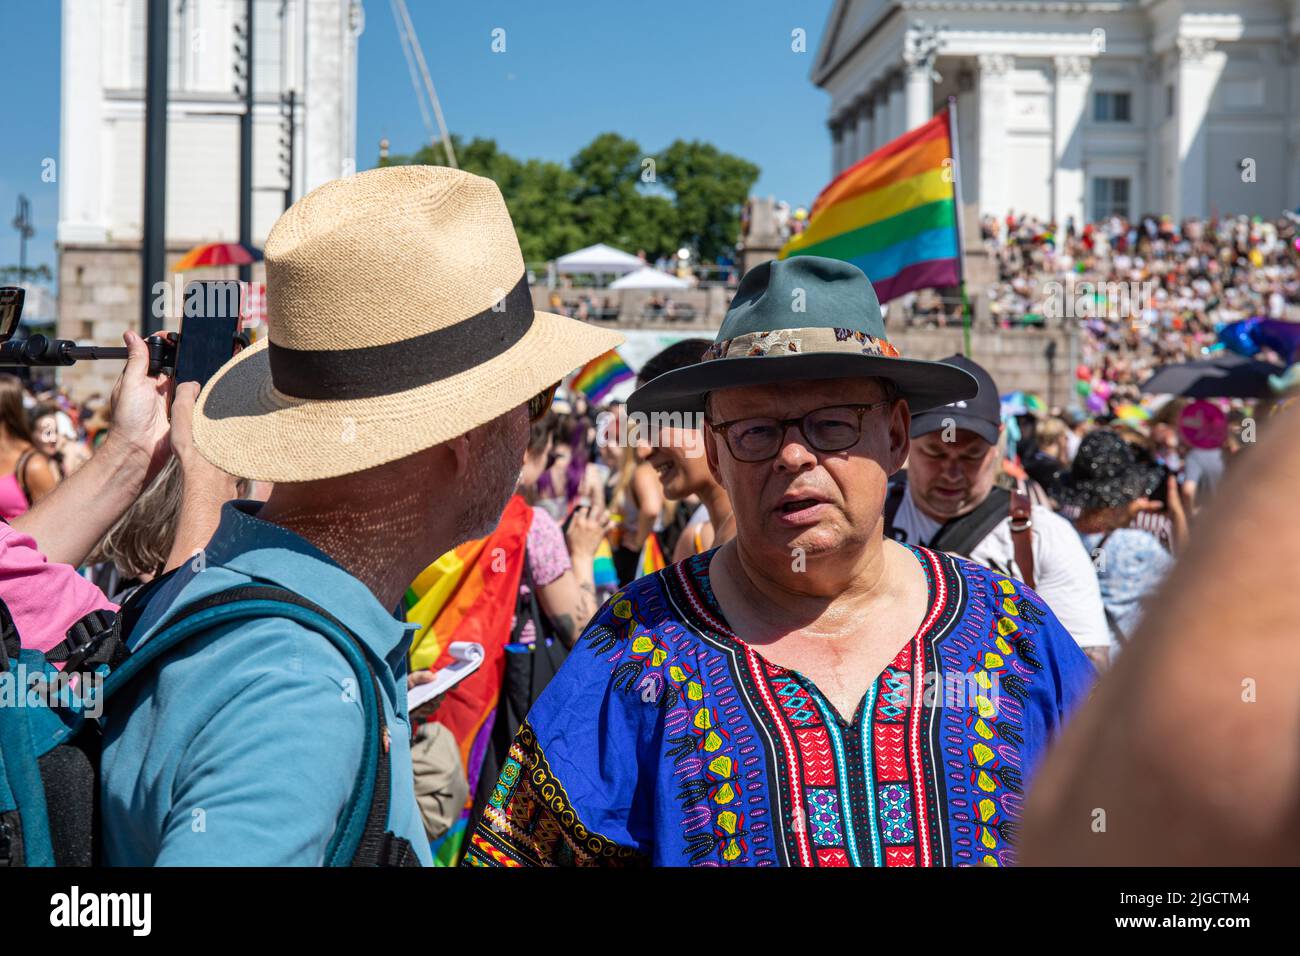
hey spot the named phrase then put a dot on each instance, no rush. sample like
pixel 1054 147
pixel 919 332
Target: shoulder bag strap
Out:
pixel 1022 534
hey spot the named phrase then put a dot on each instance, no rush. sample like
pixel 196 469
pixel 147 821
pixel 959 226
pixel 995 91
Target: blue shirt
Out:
pixel 667 740
pixel 1131 565
pixel 241 746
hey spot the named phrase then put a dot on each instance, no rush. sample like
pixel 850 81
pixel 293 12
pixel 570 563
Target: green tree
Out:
pixel 614 205
pixel 709 190
pixel 606 195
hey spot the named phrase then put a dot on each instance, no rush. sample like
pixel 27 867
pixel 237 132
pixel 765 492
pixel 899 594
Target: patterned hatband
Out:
pixel 801 341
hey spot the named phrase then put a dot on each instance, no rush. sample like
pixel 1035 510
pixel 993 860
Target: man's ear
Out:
pixel 900 435
pixel 711 451
pixel 458 451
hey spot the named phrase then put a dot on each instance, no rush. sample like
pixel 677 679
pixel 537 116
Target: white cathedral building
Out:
pixel 308 47
pixel 1080 108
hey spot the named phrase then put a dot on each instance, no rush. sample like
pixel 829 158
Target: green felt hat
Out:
pixel 806 317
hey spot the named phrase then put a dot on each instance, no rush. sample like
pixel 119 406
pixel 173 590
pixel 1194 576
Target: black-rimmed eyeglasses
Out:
pixel 832 428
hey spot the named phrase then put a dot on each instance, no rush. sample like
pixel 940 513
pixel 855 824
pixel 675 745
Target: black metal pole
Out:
pixel 246 145
pixel 153 249
pixel 23 223
pixel 293 135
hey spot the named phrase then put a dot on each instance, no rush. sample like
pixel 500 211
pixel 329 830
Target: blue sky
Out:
pixel 717 70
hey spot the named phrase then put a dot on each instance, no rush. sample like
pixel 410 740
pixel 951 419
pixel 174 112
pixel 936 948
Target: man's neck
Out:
pixel 717 504
pixel 381 543
pixel 791 594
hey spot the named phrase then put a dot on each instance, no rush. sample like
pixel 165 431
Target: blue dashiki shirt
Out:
pixel 665 739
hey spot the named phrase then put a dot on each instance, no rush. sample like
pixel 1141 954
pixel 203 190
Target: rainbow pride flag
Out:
pixel 652 557
pixel 602 567
pixel 602 373
pixel 893 214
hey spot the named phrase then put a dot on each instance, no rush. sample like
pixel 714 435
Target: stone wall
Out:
pixel 99 298
pixel 1016 358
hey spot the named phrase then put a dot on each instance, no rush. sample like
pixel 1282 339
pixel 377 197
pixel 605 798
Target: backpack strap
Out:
pixel 20 472
pixel 362 837
pixel 101 636
pixel 93 640
pixel 961 535
pixel 894 500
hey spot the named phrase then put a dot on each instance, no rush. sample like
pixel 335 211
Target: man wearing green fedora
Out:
pixel 809 693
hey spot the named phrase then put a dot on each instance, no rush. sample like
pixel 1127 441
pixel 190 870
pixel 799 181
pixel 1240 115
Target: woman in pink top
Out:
pixel 25 474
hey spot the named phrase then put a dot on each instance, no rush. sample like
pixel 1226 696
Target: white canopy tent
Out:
pixel 599 259
pixel 647 278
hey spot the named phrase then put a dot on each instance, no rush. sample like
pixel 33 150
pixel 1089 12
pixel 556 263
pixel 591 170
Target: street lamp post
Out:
pixel 23 223
pixel 244 57
pixel 155 163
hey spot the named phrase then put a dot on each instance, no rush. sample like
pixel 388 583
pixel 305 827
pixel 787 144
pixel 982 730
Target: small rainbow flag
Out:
pixel 602 568
pixel 893 214
pixel 602 373
pixel 652 557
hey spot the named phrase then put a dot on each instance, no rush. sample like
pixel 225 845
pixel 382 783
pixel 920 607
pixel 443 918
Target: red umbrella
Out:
pixel 218 254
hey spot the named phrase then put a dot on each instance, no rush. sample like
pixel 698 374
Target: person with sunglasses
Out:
pixel 390 407
pixel 809 693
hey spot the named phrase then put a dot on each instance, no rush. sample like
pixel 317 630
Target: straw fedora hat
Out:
pixel 399 318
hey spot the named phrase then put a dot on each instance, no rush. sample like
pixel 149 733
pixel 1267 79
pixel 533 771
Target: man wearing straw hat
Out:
pixel 809 693
pixel 390 406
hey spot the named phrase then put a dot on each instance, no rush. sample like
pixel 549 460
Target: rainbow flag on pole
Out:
pixel 893 214
pixel 602 373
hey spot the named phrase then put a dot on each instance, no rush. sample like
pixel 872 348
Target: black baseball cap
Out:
pixel 981 414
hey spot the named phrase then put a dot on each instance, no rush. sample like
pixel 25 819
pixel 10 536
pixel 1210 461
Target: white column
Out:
pixel 82 213
pixel 1198 72
pixel 918 93
pixel 864 130
pixel 880 117
pixel 897 108
pixel 1073 75
pixel 995 102
pixel 848 140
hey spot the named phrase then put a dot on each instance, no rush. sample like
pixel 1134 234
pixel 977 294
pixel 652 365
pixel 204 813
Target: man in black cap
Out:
pixel 948 499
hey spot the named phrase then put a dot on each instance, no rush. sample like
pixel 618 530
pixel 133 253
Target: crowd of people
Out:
pixel 705 617
pixel 1145 293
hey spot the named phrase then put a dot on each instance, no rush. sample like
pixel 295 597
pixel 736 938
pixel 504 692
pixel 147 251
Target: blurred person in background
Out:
pixel 1050 454
pixel 560 561
pixel 1179 789
pixel 569 475
pixel 636 501
pixel 949 499
pixel 678 459
pixel 55 436
pixel 26 475
pixel 141 545
pixel 1111 488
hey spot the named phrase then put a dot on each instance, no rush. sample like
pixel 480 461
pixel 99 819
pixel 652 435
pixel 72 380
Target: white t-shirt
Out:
pixel 1064 575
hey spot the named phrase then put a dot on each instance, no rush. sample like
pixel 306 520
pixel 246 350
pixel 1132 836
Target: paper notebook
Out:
pixel 466 656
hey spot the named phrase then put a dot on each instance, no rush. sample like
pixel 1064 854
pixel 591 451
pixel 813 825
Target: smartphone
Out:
pixel 209 329
pixel 580 503
pixel 11 310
